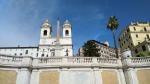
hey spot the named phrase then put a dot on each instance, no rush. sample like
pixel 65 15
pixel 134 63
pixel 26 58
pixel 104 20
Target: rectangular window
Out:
pixel 37 55
pixel 129 36
pixel 143 48
pixel 128 30
pixel 26 52
pixel 129 47
pixel 147 36
pixel 136 35
pixel 134 28
pixel 145 29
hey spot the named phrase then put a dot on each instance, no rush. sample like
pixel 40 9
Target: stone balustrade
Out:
pixel 137 62
pixel 75 61
pixel 25 61
pixel 13 61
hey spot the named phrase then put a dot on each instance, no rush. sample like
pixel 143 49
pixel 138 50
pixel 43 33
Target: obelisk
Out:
pixel 58 30
pixel 58 47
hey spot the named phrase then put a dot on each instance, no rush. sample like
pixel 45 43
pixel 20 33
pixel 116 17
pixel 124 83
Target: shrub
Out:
pixel 141 54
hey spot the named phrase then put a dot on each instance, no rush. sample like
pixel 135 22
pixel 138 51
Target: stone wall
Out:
pixel 8 77
pixel 49 77
pixel 109 77
pixel 143 76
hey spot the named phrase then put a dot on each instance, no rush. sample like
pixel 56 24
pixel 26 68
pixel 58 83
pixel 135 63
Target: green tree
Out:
pixel 143 54
pixel 91 49
pixel 113 25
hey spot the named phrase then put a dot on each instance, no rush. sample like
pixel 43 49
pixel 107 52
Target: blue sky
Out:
pixel 20 20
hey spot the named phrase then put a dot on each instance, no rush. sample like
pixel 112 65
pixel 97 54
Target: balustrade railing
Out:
pixel 79 60
pixel 49 60
pixel 71 61
pixel 10 59
pixel 137 61
pixel 75 61
pixel 15 61
pixel 140 60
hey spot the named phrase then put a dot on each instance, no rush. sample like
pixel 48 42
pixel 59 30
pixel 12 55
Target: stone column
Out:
pixel 121 77
pixel 131 76
pixel 34 77
pixel 23 76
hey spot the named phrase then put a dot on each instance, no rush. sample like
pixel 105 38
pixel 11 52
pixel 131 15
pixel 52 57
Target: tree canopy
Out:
pixel 143 54
pixel 91 49
pixel 113 23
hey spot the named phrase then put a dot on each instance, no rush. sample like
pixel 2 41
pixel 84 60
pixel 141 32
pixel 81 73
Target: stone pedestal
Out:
pixel 58 49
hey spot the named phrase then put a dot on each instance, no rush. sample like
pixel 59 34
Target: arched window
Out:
pixel 66 32
pixel 45 32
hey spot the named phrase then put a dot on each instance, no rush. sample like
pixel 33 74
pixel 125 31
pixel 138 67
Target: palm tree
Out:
pixel 113 25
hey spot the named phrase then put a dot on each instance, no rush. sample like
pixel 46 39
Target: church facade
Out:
pixel 49 46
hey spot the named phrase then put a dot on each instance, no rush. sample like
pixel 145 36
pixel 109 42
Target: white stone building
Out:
pixel 60 45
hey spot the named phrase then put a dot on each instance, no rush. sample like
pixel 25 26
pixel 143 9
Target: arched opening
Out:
pixel 45 32
pixel 67 33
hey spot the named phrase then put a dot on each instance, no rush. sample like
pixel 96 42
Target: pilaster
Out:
pixel 121 77
pixel 34 77
pixel 97 79
pixel 132 77
pixel 23 76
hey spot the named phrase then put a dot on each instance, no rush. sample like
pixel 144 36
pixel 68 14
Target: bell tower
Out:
pixel 67 29
pixel 46 29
